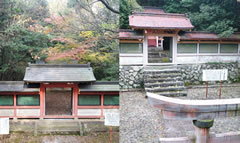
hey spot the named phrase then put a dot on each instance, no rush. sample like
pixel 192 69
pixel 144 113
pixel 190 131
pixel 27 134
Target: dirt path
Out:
pixel 91 138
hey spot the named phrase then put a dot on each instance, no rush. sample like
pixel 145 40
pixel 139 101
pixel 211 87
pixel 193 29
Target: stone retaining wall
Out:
pixel 57 127
pixel 192 74
pixel 132 76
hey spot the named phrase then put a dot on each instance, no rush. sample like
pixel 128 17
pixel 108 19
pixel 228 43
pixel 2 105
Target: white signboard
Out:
pixel 215 75
pixel 4 126
pixel 112 119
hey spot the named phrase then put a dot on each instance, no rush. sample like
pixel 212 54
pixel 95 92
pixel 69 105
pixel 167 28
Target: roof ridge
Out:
pixel 126 30
pixel 207 32
pixel 11 82
pixel 162 14
pixel 60 65
pixel 106 82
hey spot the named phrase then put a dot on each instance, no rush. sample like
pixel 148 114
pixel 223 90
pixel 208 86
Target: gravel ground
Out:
pixel 140 123
pixel 213 92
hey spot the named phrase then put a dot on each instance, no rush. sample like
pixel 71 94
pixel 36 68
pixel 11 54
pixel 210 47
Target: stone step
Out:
pixel 153 53
pixel 159 60
pixel 149 71
pixel 165 75
pixel 155 61
pixel 164 84
pixel 154 50
pixel 154 56
pixel 163 80
pixel 165 89
pixel 172 94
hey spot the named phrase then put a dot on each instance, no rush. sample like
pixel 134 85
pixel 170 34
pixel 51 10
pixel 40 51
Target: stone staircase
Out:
pixel 164 80
pixel 156 55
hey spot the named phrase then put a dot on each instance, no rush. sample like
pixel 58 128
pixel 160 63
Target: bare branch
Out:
pixel 105 3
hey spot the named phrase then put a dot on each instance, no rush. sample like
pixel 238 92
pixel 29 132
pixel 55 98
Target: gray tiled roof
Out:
pixel 37 73
pixel 15 86
pixel 100 86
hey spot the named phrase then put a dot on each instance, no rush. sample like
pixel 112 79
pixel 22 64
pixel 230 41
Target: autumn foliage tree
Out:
pixel 85 32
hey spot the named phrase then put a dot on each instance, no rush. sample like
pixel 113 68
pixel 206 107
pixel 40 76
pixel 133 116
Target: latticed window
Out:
pixel 187 48
pixel 208 48
pixel 111 100
pixel 6 100
pixel 28 100
pixel 131 48
pixel 89 100
pixel 229 48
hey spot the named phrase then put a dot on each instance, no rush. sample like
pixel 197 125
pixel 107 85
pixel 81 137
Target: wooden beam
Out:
pixel 132 41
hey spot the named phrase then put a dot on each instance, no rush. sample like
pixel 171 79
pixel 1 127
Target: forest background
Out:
pixel 59 32
pixel 217 16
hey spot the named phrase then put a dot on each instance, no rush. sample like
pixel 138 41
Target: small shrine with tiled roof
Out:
pixel 58 91
pixel 159 38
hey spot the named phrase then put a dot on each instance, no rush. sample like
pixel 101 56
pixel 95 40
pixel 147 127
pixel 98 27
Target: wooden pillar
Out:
pixel 174 48
pixel 145 50
pixel 15 105
pixel 102 101
pixel 75 101
pixel 42 101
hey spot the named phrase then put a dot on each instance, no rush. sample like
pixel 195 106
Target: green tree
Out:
pixel 5 13
pixel 18 44
pixel 18 47
pixel 126 9
pixel 153 3
pixel 218 16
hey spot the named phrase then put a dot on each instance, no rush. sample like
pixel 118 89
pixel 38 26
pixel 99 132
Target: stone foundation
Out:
pixel 132 76
pixel 192 74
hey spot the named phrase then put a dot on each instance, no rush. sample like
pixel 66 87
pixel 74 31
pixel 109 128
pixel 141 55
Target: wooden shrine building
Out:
pixel 159 38
pixel 58 91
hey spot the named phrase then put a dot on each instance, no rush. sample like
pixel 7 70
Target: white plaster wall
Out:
pixel 89 112
pixel 6 112
pixel 187 59
pixel 110 111
pixel 131 60
pixel 28 112
pixel 206 58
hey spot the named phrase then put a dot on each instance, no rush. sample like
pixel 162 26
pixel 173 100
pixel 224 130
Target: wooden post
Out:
pixel 110 134
pixel 102 104
pixel 42 101
pixel 75 101
pixel 207 90
pixel 3 139
pixel 220 89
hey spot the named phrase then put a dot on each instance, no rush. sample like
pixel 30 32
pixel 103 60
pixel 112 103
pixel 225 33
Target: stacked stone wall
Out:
pixel 192 74
pixel 132 76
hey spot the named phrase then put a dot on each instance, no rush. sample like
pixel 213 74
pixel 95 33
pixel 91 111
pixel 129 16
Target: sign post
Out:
pixel 111 119
pixel 215 75
pixel 4 128
pixel 207 89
